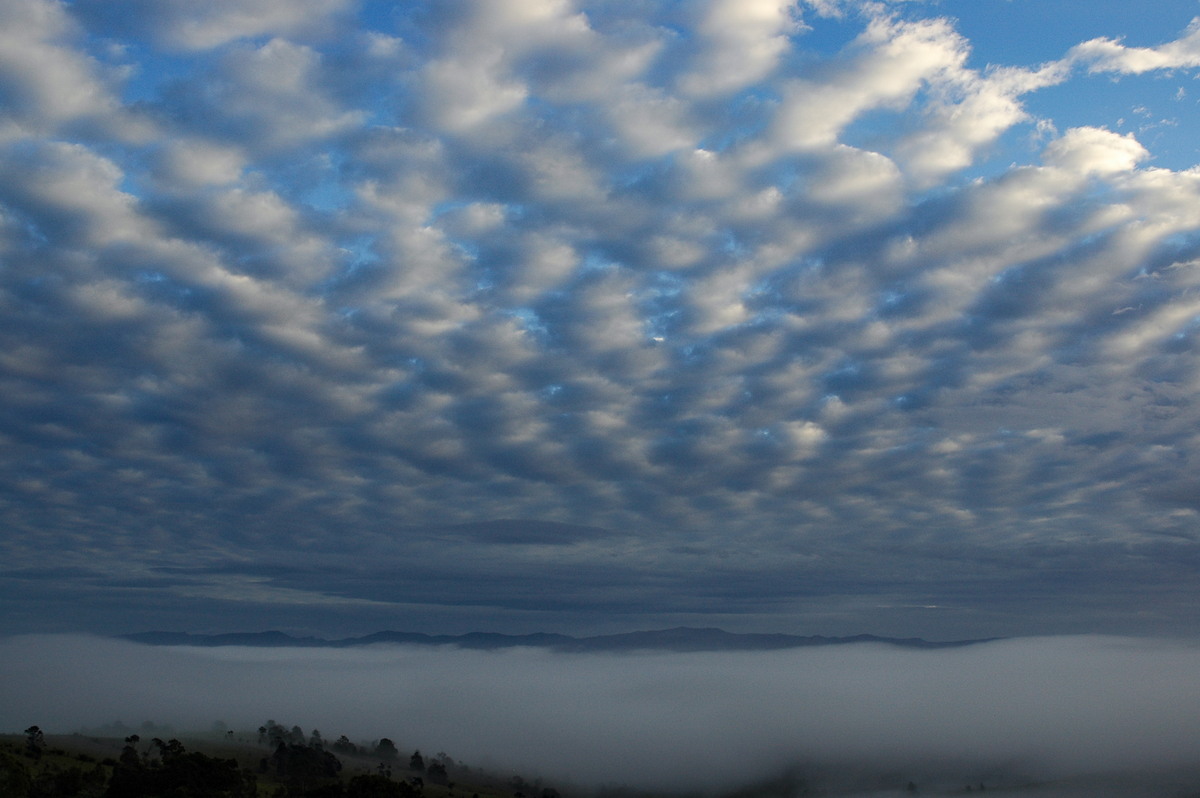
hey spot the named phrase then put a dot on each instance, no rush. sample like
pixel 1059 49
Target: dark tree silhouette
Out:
pixel 304 768
pixel 436 773
pixel 344 746
pixel 35 741
pixel 179 774
pixel 385 749
pixel 416 762
pixel 274 733
pixel 129 754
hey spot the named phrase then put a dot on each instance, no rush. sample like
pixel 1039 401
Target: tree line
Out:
pixel 294 765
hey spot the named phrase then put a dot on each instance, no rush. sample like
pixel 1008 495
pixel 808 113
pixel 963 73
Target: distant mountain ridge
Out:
pixel 681 639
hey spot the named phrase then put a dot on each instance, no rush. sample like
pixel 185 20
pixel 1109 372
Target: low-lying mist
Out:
pixel 1051 708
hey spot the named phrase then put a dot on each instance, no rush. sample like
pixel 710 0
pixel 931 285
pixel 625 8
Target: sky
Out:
pixel 821 317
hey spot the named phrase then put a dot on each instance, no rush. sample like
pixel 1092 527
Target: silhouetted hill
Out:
pixel 681 638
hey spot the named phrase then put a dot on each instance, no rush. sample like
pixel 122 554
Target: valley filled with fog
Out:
pixel 1058 716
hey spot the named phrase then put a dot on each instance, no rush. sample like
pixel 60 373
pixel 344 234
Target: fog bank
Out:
pixel 1054 707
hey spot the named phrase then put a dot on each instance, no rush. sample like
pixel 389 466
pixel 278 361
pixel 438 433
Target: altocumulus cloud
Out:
pixel 799 299
pixel 1051 711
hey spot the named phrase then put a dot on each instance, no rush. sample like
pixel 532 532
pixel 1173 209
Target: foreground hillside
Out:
pixel 276 762
pixel 271 761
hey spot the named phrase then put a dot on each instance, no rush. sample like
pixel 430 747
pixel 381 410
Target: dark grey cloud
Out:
pixel 719 339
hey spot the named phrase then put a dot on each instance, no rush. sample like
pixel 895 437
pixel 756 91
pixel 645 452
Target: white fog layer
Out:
pixel 1050 708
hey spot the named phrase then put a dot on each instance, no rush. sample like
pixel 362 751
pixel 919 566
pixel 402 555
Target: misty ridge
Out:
pixel 682 638
pixel 1084 715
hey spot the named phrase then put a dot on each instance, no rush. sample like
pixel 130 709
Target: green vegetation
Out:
pixel 276 762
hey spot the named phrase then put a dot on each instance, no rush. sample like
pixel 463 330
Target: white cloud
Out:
pixel 969 113
pixel 46 83
pixel 465 91
pixel 200 163
pixel 72 192
pixel 274 96
pixel 859 180
pixel 1094 151
pixel 477 77
pixel 1109 55
pixel 883 69
pixel 743 40
pixel 650 124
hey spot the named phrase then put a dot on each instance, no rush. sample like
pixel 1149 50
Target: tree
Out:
pixel 70 781
pixel 129 754
pixel 416 762
pixel 180 774
pixel 304 768
pixel 385 749
pixel 436 772
pixel 35 741
pixel 169 750
pixel 272 734
pixel 344 746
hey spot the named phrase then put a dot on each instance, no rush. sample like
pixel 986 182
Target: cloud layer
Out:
pixel 789 314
